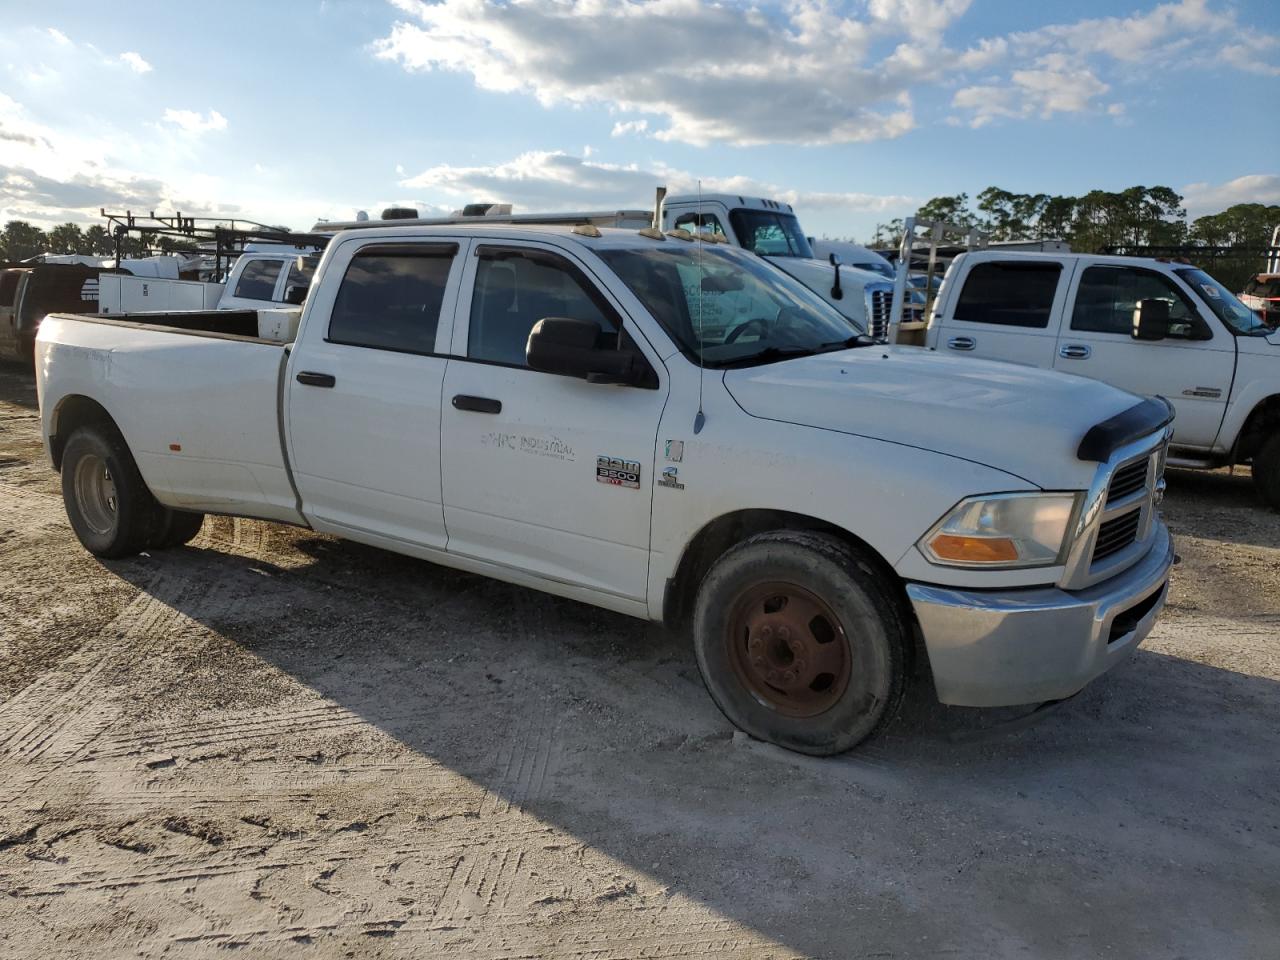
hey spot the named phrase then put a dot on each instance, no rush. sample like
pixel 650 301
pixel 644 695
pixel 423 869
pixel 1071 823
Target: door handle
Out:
pixel 477 404
pixel 313 379
pixel 962 343
pixel 1075 351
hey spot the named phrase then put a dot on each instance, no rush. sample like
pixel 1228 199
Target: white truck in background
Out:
pixel 265 275
pixel 1153 327
pixel 543 405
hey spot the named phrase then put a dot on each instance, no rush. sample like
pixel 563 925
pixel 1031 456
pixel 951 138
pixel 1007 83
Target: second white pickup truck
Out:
pixel 1155 327
pixel 664 427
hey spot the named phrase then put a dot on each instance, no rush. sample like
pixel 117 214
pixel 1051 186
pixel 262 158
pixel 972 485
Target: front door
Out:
pixel 543 473
pixel 364 398
pixel 1007 310
pixel 1192 367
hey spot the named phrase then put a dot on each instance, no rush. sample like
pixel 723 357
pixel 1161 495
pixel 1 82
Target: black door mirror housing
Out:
pixel 296 293
pixel 1150 320
pixel 568 347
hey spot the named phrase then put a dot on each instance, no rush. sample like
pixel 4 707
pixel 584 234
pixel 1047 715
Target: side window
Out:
pixel 8 287
pixel 1009 294
pixel 258 280
pixel 699 223
pixel 1107 296
pixel 300 277
pixel 390 297
pixel 515 288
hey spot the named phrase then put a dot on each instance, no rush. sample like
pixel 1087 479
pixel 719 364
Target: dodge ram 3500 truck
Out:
pixel 1151 326
pixel 668 428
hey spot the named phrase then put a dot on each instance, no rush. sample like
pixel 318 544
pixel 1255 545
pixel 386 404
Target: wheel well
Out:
pixel 711 542
pixel 1262 422
pixel 72 413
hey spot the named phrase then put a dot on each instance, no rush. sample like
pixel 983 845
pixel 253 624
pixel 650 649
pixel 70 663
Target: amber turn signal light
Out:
pixel 961 549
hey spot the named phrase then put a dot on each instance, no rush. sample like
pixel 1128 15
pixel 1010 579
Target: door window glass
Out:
pixel 770 234
pixel 8 287
pixel 703 223
pixel 258 280
pixel 515 289
pixel 300 277
pixel 1107 296
pixel 390 298
pixel 1009 294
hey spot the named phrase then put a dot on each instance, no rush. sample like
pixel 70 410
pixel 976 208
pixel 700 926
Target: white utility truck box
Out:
pixel 121 293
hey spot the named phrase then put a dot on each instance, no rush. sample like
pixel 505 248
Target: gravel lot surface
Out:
pixel 283 743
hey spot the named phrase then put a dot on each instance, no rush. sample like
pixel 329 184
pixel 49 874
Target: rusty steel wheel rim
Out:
pixel 789 649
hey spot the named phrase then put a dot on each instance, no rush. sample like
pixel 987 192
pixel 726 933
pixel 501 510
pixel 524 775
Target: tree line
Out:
pixel 21 240
pixel 1136 217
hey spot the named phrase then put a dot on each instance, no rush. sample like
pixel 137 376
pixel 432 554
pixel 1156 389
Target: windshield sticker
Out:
pixel 1210 290
pixel 617 472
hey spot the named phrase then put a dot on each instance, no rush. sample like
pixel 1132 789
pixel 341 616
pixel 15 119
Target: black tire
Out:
pixel 815 572
pixel 176 528
pixel 110 508
pixel 1266 471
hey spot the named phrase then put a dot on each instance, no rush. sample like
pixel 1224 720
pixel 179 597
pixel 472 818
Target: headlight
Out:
pixel 1003 530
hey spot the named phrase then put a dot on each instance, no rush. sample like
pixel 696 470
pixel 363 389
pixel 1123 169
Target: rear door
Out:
pixel 1006 310
pixel 1192 367
pixel 364 398
pixel 542 473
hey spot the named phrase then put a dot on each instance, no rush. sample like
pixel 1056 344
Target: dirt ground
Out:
pixel 291 745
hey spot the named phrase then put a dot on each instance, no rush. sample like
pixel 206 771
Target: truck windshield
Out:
pixel 1223 302
pixel 770 234
pixel 727 307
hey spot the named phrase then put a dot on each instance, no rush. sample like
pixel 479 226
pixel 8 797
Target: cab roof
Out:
pixel 610 238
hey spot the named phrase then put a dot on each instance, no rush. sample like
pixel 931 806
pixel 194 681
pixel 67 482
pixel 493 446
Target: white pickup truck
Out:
pixel 549 407
pixel 1192 341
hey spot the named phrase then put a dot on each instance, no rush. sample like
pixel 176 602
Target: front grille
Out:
pixel 880 308
pixel 1127 481
pixel 1116 534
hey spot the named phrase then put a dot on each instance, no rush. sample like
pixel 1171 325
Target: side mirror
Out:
pixel 568 347
pixel 296 293
pixel 1150 320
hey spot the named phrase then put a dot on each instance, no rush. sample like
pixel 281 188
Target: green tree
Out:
pixel 98 242
pixel 20 240
pixel 950 209
pixel 66 238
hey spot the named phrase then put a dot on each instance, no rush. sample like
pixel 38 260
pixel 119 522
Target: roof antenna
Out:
pixel 700 418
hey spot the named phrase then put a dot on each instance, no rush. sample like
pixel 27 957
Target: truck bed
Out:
pixel 196 395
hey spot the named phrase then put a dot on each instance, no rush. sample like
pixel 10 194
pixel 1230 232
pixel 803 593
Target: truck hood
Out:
pixel 1021 420
pixel 819 275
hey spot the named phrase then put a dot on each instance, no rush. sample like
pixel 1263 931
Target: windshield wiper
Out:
pixel 857 340
pixel 768 355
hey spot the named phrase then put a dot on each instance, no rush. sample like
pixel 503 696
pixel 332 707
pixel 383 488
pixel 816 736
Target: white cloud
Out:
pixel 804 71
pixel 545 180
pixel 1205 198
pixel 59 37
pixel 714 72
pixel 194 122
pixel 135 62
pixel 622 128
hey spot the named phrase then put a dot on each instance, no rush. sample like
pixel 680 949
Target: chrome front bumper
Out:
pixel 992 649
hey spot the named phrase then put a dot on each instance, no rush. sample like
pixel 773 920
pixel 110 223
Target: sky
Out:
pixel 854 111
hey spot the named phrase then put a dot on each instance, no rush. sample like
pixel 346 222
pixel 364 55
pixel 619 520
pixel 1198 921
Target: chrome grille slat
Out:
pixel 1116 534
pixel 1128 480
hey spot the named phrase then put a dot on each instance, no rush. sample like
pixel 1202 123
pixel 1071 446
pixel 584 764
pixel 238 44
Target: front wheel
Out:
pixel 110 508
pixel 1266 471
pixel 801 642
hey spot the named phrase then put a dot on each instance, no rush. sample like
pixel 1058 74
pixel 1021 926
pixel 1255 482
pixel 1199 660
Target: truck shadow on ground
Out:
pixel 1152 791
